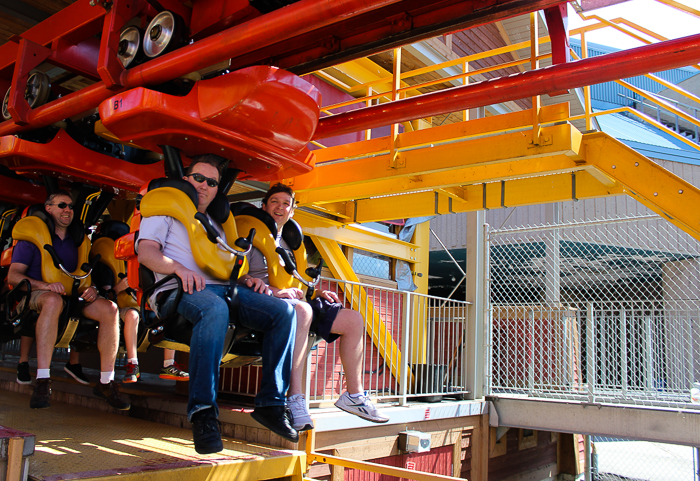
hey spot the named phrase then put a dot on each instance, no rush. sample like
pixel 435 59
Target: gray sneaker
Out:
pixel 301 419
pixel 360 406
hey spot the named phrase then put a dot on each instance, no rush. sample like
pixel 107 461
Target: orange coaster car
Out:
pixel 260 118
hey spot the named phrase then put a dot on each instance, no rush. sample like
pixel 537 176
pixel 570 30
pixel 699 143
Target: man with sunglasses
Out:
pixel 47 301
pixel 164 247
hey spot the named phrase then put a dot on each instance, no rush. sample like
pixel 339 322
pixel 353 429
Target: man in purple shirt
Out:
pixel 47 301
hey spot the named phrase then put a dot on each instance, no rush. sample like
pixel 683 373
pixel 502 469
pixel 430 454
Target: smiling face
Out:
pixel 280 206
pixel 61 217
pixel 205 193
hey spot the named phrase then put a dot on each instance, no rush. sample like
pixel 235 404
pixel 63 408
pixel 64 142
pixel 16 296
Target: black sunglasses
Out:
pixel 63 205
pixel 199 178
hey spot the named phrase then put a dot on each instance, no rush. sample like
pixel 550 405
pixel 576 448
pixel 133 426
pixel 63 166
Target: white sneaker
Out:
pixel 301 419
pixel 360 406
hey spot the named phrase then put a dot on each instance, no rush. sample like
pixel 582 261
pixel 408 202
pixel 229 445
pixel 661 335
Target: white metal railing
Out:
pixel 414 346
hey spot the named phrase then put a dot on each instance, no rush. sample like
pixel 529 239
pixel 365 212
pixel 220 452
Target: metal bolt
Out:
pixel 186 138
pixel 155 32
pixel 636 164
pixel 614 166
pixel 222 149
pixel 655 194
pixel 93 3
pixel 680 191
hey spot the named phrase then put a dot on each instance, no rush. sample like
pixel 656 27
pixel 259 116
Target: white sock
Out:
pixel 106 377
pixel 168 362
pixel 133 361
pixel 43 373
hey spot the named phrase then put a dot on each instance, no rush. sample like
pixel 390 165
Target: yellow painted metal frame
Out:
pixel 356 237
pixel 376 329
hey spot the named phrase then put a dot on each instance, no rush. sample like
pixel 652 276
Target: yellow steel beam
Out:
pixel 582 184
pixel 445 133
pixel 356 237
pixel 369 176
pixel 662 191
pixel 380 468
pixel 446 183
pixel 360 301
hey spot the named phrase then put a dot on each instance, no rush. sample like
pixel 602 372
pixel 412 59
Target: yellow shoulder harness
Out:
pixel 33 229
pixel 174 203
pixel 104 246
pixel 265 242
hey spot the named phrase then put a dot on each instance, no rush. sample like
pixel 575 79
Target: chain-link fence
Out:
pixel 605 311
pixel 627 460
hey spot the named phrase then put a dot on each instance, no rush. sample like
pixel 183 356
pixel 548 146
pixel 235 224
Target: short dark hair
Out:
pixel 276 189
pixel 53 195
pixel 219 163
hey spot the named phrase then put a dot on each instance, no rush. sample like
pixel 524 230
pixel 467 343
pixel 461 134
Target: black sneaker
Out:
pixel 76 372
pixel 275 419
pixel 110 393
pixel 206 432
pixel 23 376
pixel 41 397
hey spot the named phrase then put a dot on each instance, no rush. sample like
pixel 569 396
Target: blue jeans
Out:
pixel 208 312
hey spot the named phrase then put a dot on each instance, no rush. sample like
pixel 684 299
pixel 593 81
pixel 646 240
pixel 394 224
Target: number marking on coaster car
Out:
pixel 261 118
pixel 63 157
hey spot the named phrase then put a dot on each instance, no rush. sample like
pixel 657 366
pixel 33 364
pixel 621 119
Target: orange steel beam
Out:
pixel 627 63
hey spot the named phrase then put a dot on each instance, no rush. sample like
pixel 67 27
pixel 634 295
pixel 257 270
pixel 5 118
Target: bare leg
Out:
pixel 25 347
pixel 74 357
pixel 301 341
pixel 168 354
pixel 131 325
pixel 107 314
pixel 349 324
pixel 50 307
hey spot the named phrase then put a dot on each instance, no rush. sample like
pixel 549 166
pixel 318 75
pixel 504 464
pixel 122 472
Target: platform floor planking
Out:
pixel 77 443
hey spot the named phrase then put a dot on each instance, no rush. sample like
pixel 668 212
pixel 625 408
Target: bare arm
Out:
pixel 17 273
pixel 254 283
pixel 152 257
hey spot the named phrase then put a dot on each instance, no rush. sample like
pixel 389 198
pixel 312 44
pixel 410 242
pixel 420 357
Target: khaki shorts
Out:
pixel 34 300
pixel 124 310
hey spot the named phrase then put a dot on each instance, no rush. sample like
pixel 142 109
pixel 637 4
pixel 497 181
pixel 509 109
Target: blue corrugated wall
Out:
pixel 608 93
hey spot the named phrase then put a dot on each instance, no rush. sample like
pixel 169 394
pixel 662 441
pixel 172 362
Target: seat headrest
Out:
pixel 113 229
pixel 245 208
pixel 292 235
pixel 75 229
pixel 34 208
pixel 180 184
pixel 219 209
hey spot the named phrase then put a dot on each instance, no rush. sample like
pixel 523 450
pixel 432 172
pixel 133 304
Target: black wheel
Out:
pixel 6 113
pixel 38 89
pixel 165 33
pixel 130 51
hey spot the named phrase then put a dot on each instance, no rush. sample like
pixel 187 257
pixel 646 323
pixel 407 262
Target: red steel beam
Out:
pixel 287 22
pixel 627 63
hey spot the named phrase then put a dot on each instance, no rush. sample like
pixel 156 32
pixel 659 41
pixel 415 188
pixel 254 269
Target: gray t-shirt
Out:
pixel 257 264
pixel 172 235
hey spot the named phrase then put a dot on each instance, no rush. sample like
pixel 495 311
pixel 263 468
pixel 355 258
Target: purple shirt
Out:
pixel 28 254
